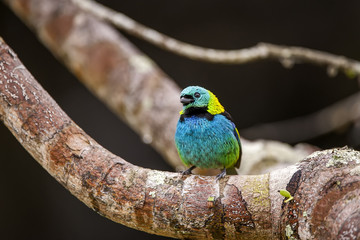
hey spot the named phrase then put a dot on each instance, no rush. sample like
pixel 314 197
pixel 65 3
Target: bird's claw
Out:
pixel 187 171
pixel 221 175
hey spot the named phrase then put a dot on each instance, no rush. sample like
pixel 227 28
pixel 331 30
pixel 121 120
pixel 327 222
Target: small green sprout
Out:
pixel 211 199
pixel 286 194
pixel 210 202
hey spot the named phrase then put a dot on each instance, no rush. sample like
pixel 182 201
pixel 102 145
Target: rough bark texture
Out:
pixel 128 81
pixel 326 202
pixel 325 186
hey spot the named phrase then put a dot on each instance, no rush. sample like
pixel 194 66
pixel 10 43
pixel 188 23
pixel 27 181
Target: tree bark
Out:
pixel 115 71
pixel 127 81
pixel 325 186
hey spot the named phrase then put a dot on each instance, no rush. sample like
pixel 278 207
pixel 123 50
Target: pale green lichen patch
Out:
pixel 289 232
pixel 156 178
pixel 256 186
pixel 318 154
pixel 355 171
pixel 152 194
pixel 341 157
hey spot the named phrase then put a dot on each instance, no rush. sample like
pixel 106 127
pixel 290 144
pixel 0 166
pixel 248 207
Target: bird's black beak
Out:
pixel 186 99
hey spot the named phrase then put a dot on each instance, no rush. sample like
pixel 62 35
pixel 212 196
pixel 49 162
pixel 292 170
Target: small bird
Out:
pixel 206 136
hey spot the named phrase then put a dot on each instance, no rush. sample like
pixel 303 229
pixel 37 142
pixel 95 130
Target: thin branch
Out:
pixel 316 124
pixel 287 55
pixel 173 205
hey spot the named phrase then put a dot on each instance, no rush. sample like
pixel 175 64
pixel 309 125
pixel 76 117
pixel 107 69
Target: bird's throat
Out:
pixel 200 112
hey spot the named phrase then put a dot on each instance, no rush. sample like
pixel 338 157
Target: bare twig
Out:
pixel 286 55
pixel 306 127
pixel 173 205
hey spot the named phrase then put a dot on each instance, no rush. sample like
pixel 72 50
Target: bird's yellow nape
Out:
pixel 214 106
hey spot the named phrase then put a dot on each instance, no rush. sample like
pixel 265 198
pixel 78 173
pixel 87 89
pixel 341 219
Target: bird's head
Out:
pixel 199 97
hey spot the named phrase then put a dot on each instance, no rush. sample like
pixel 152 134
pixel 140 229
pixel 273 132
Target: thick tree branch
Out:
pixel 111 67
pixel 153 201
pixel 287 55
pixel 127 80
pixel 172 205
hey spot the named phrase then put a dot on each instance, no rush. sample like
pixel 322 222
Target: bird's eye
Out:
pixel 197 95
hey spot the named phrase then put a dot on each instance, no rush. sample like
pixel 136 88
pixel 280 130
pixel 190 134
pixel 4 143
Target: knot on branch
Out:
pixel 326 191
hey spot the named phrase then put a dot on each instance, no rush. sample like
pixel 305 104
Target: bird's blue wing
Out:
pixel 236 133
pixel 237 136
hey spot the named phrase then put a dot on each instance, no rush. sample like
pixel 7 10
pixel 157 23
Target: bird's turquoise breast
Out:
pixel 207 143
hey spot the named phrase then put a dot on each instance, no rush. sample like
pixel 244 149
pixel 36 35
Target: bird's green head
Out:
pixel 199 97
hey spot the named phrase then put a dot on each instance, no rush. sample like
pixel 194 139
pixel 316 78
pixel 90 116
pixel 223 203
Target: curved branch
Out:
pixel 126 80
pixel 173 205
pixel 158 202
pixel 287 55
pixel 111 67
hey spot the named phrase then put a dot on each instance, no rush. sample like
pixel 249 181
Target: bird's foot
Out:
pixel 188 171
pixel 221 175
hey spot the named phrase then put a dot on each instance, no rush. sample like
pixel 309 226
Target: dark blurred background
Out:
pixel 34 206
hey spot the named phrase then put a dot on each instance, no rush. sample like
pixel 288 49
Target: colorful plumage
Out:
pixel 206 136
